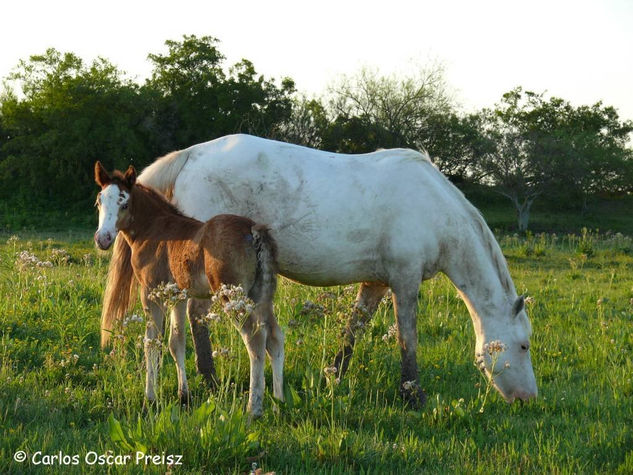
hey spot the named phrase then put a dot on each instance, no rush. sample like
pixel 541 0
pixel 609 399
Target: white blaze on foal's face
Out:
pixel 111 201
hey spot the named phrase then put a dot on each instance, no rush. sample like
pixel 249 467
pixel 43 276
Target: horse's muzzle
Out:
pixel 523 396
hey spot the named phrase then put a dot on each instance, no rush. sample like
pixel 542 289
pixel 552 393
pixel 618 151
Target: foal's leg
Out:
pixel 196 308
pixel 254 333
pixel 177 345
pixel 152 343
pixel 275 350
pixel 369 296
pixel 405 301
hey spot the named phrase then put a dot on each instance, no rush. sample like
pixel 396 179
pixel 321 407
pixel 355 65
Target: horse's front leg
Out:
pixel 177 347
pixel 405 301
pixel 369 296
pixel 153 343
pixel 196 309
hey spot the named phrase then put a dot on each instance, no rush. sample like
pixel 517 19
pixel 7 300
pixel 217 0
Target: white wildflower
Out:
pixel 392 332
pixel 494 347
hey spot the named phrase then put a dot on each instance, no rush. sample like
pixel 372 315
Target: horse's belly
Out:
pixel 314 268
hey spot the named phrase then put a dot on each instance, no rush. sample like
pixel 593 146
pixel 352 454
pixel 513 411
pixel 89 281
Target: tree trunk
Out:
pixel 523 212
pixel 523 217
pixel 522 209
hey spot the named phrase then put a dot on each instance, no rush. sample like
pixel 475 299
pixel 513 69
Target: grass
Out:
pixel 62 397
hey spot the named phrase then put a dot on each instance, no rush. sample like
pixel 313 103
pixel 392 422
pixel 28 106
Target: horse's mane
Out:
pixel 162 173
pixel 488 238
pixel 493 249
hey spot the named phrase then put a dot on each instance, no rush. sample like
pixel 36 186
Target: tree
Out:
pixel 549 147
pixel 197 100
pixel 371 111
pixel 459 146
pixel 307 124
pixel 63 117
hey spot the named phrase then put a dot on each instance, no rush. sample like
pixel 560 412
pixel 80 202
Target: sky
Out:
pixel 579 50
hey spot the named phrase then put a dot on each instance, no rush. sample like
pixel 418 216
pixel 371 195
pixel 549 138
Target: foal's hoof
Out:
pixel 211 382
pixel 254 415
pixel 413 395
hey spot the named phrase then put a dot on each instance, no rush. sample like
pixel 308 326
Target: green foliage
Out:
pixel 59 115
pixel 548 147
pixel 372 111
pixel 198 100
pixel 59 392
pixel 67 116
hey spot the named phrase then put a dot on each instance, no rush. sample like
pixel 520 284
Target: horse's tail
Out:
pixel 120 291
pixel 266 275
pixel 161 175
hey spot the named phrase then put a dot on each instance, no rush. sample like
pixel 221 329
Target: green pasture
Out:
pixel 61 396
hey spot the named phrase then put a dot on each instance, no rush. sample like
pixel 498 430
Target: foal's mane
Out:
pixel 145 195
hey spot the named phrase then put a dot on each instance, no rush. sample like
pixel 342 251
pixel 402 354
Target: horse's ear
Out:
pixel 102 177
pixel 518 305
pixel 130 176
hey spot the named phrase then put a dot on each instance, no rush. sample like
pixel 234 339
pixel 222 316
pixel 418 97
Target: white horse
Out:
pixel 387 219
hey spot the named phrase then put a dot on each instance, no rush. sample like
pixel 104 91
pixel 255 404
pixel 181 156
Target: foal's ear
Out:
pixel 130 176
pixel 102 177
pixel 519 305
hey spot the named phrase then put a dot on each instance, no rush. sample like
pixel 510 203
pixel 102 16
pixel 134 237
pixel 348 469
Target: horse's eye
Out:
pixel 525 347
pixel 124 206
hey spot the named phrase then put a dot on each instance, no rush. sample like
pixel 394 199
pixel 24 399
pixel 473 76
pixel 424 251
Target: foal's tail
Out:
pixel 265 284
pixel 120 291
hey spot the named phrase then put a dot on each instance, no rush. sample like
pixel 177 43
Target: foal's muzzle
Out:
pixel 103 240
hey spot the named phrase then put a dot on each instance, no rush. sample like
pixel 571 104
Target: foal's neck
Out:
pixel 153 217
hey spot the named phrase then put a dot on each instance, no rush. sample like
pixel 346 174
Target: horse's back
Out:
pixel 336 218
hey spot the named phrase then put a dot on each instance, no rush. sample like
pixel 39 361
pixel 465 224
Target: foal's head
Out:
pixel 112 202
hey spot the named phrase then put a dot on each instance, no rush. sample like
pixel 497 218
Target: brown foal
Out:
pixel 168 247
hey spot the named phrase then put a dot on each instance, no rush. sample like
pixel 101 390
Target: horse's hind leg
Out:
pixel 254 333
pixel 369 296
pixel 275 350
pixel 405 300
pixel 152 343
pixel 196 309
pixel 177 345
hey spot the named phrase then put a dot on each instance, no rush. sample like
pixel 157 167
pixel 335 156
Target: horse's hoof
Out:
pixel 341 361
pixel 413 396
pixel 184 398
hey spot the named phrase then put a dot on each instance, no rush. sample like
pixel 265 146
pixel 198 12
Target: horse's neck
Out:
pixel 478 270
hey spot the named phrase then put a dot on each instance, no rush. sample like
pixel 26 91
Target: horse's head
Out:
pixel 503 352
pixel 112 201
